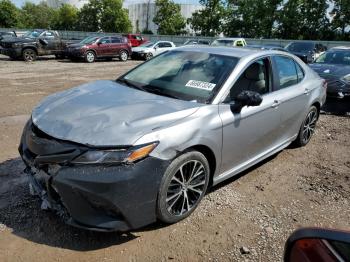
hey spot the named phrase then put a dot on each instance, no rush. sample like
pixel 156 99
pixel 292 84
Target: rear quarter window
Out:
pixel 286 70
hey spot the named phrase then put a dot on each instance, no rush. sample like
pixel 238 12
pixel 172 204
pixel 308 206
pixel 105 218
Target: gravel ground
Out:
pixel 247 218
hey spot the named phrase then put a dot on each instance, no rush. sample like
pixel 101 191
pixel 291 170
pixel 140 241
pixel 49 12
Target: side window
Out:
pixel 160 45
pixel 166 44
pixel 116 40
pixel 255 78
pixel 286 71
pixel 239 43
pixel 48 35
pixel 300 72
pixel 105 40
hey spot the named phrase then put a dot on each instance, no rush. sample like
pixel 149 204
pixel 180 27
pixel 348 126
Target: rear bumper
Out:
pixel 97 197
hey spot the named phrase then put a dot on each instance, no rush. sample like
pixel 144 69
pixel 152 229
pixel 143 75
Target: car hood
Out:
pixel 330 70
pixel 12 40
pixel 105 113
pixel 139 49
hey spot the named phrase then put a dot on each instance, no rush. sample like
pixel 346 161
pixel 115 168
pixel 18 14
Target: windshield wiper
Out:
pixel 157 91
pixel 130 84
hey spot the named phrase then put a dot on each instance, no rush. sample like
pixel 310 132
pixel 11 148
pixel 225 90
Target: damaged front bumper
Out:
pixel 96 197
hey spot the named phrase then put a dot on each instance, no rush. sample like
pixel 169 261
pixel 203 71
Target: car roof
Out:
pixel 238 52
pixel 340 48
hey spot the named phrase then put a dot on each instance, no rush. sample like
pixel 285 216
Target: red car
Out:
pixel 136 39
pixel 96 47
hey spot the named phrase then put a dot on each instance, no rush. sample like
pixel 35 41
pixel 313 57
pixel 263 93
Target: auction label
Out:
pixel 201 85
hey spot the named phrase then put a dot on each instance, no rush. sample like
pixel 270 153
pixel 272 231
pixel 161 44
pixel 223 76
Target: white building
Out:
pixel 141 13
pixel 58 3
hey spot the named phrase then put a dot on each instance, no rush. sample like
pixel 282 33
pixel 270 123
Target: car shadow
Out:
pixel 339 107
pixel 81 61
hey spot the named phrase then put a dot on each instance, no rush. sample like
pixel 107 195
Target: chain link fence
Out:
pixel 179 40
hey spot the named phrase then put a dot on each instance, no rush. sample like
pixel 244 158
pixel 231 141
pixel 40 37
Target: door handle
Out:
pixel 307 91
pixel 275 104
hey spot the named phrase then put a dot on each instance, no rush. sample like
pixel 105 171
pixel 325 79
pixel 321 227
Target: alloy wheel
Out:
pixel 90 57
pixel 186 188
pixel 29 55
pixel 309 125
pixel 123 56
pixel 149 56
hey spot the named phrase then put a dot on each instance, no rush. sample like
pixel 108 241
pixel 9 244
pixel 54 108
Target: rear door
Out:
pixel 116 44
pixel 254 131
pixel 51 40
pixel 291 94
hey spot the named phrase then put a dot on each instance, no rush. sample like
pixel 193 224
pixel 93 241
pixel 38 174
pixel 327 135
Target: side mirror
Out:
pixel 317 245
pixel 43 41
pixel 246 98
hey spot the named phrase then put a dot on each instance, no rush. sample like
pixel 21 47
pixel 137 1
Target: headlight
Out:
pixel 16 45
pixel 346 78
pixel 115 156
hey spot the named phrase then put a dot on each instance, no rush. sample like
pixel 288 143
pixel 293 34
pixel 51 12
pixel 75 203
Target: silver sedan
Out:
pixel 118 155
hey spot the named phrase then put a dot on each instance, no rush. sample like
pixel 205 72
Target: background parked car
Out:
pixel 35 43
pixel 97 47
pixel 307 51
pixel 334 66
pixel 136 39
pixel 4 35
pixel 229 42
pixel 197 42
pixel 267 47
pixel 150 49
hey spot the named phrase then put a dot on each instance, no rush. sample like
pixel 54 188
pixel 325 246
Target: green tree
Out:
pixel 209 20
pixel 67 18
pixel 168 18
pixel 341 17
pixel 37 15
pixel 105 15
pixel 252 18
pixel 8 14
pixel 303 19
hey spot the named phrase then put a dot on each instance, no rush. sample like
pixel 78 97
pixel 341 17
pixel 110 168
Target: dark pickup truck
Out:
pixel 35 43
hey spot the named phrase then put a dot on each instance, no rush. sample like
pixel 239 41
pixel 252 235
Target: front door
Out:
pixel 104 47
pixel 251 133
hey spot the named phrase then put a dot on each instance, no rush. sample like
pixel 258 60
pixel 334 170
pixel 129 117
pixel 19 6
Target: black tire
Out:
pixel 29 55
pixel 171 199
pixel 90 56
pixel 123 55
pixel 148 56
pixel 307 128
pixel 60 56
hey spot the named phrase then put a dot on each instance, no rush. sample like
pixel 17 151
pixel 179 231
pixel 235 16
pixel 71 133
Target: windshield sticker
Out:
pixel 200 85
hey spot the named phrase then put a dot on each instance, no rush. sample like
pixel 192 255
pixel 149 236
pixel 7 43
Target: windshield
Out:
pixel 148 44
pixel 339 58
pixel 88 40
pixel 33 34
pixel 223 42
pixel 186 75
pixel 300 47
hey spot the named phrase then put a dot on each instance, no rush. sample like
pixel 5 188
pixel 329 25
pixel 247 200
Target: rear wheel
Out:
pixel 90 57
pixel 307 128
pixel 123 56
pixel 29 55
pixel 183 186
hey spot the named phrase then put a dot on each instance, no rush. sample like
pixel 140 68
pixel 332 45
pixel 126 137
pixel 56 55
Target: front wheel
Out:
pixel 307 128
pixel 29 55
pixel 148 56
pixel 123 56
pixel 90 57
pixel 183 186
